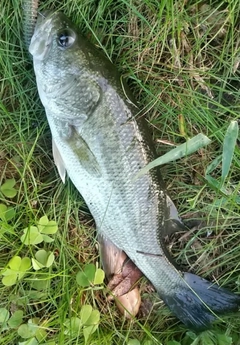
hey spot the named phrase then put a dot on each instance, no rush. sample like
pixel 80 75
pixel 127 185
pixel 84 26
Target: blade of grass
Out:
pixel 229 144
pixel 183 150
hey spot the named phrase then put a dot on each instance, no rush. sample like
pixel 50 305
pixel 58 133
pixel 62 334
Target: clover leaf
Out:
pixel 90 276
pixel 87 323
pixel 43 259
pixel 8 189
pixel 17 269
pixel 38 234
pixel 6 213
pixel 4 316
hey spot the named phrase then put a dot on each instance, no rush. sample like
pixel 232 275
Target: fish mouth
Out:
pixel 42 39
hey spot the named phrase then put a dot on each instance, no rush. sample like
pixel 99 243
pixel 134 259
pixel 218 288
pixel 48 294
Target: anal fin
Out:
pixel 173 222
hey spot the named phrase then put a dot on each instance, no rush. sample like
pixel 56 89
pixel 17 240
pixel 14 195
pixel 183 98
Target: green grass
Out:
pixel 180 58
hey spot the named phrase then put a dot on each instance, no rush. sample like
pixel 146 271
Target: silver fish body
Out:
pixel 100 140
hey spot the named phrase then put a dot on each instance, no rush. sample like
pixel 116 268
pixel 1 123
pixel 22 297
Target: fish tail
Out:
pixel 198 302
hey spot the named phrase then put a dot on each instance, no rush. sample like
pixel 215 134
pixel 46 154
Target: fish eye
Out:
pixel 66 38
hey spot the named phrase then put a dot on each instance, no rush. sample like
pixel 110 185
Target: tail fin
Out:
pixel 199 302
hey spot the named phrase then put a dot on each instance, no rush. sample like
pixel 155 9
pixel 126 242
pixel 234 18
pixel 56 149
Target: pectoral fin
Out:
pixel 58 161
pixel 84 153
pixel 69 133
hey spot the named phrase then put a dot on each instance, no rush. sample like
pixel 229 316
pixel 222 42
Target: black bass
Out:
pixel 101 141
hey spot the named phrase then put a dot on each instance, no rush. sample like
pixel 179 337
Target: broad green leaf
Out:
pixel 191 335
pixel 3 209
pixel 9 280
pixel 43 221
pixel 229 144
pixel 47 239
pixel 4 227
pixel 37 295
pixel 223 339
pixel 82 279
pixel 85 313
pixel 133 342
pixel 51 228
pixel 41 334
pixel 73 326
pixel 20 265
pixel 94 318
pixel 207 337
pixel 8 188
pixel 20 301
pixel 86 277
pixel 173 342
pixel 90 319
pixel 189 147
pixel 99 277
pixel 50 259
pixel 43 259
pixel 27 331
pixel 16 319
pixel 88 330
pixel 6 213
pixel 20 274
pixel 42 256
pixel 90 270
pixel 31 236
pixel 4 315
pixel 18 268
pixel 10 214
pixel 15 263
pixel 46 226
pixel 25 264
pixel 40 284
pixel 8 272
pixel 36 264
pixel 32 341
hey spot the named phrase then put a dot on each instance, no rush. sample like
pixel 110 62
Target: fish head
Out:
pixel 62 62
pixel 54 34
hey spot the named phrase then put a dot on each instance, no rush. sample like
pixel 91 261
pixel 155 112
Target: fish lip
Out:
pixel 42 39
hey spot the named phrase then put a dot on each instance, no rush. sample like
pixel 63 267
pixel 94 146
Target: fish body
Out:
pixel 101 141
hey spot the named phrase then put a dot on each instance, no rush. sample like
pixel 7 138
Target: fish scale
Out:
pixel 101 141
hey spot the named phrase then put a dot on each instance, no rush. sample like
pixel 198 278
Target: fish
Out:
pixel 121 273
pixel 101 141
